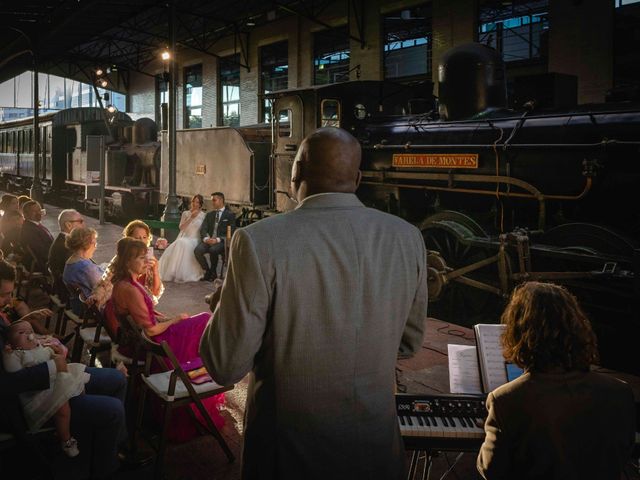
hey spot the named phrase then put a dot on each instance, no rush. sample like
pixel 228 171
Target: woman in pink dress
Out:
pixel 182 333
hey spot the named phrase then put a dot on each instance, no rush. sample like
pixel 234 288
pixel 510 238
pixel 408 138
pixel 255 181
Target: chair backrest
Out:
pixel 94 313
pixel 31 259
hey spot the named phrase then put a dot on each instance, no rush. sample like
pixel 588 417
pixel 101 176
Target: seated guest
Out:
pixel 8 203
pixel 59 253
pixel 558 420
pixel 23 350
pixel 97 418
pixel 213 234
pixel 22 200
pixel 11 228
pixel 150 277
pixel 35 236
pixel 182 332
pixel 81 274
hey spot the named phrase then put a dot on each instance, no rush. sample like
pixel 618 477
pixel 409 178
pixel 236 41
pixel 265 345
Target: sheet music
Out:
pixel 492 365
pixel 464 374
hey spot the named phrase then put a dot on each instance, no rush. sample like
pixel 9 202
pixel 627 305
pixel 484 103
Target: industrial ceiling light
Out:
pixel 99 72
pixel 103 83
pixel 165 55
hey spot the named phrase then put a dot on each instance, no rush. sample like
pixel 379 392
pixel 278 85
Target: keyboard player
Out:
pixel 558 420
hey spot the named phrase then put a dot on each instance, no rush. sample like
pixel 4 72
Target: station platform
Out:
pixel 201 458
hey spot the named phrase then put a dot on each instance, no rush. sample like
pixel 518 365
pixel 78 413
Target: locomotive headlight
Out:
pixel 360 111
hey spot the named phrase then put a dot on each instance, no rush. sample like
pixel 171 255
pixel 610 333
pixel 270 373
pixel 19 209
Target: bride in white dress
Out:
pixel 178 263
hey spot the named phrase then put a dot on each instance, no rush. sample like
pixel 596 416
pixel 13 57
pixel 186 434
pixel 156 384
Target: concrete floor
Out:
pixel 201 458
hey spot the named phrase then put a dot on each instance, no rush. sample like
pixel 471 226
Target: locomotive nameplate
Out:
pixel 436 160
pixel 201 169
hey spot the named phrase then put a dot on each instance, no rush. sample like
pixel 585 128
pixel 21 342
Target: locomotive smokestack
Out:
pixel 472 81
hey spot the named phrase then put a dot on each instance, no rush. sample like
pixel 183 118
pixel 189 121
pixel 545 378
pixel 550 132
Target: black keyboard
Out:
pixel 441 422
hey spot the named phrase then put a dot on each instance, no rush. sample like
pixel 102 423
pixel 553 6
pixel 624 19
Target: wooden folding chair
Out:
pixel 90 333
pixel 28 277
pixel 173 389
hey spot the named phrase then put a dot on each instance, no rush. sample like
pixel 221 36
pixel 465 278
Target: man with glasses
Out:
pixel 58 253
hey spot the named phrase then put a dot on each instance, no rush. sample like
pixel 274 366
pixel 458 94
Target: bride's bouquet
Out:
pixel 161 243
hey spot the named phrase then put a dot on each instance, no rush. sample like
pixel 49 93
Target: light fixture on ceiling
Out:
pixel 165 55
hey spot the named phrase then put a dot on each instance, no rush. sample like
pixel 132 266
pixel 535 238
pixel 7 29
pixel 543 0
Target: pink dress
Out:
pixel 184 340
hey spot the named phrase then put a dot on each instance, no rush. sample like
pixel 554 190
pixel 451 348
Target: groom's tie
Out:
pixel 215 223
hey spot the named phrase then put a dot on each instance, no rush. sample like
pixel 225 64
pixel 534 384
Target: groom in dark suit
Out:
pixel 213 233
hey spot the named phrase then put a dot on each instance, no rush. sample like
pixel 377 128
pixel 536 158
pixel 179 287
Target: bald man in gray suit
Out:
pixel 318 304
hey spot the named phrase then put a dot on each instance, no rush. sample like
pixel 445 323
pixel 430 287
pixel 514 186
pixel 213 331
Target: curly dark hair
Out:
pixel 128 248
pixel 546 329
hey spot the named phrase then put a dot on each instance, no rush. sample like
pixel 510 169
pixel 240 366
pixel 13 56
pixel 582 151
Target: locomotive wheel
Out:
pixel 448 233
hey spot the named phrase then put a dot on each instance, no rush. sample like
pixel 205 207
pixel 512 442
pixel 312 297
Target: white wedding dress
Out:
pixel 178 263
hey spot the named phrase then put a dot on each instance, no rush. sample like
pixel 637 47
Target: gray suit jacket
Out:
pixel 574 425
pixel 318 304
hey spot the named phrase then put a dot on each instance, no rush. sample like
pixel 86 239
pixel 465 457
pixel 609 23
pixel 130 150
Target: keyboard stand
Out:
pixel 427 456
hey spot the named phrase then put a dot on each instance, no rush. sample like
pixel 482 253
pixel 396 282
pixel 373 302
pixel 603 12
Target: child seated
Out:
pixel 23 350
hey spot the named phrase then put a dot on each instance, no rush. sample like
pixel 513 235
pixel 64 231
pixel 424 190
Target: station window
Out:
pixel 162 97
pixel 284 123
pixel 274 72
pixel 230 90
pixel 407 44
pixel 331 53
pixel 330 113
pixel 193 96
pixel 518 30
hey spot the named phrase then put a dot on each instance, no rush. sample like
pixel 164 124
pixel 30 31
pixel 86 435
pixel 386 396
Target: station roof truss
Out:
pixel 72 37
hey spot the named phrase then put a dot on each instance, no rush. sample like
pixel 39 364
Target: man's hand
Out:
pixel 61 363
pixel 211 241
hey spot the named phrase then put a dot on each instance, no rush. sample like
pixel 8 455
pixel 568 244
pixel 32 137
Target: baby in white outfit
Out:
pixel 23 350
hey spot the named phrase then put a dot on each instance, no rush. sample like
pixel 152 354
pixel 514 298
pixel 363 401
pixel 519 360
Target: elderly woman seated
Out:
pixel 81 274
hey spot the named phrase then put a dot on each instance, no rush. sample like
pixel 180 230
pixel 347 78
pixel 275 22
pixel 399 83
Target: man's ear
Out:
pixel 358 179
pixel 297 173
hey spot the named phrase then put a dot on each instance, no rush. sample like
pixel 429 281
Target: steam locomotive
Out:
pixel 68 170
pixel 501 196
